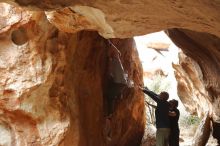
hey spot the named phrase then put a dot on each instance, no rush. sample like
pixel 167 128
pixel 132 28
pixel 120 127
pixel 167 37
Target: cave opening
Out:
pixel 53 68
pixel 158 55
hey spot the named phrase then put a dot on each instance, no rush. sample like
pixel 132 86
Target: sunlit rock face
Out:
pixel 31 57
pixel 201 85
pixel 80 18
pixel 190 85
pixel 52 85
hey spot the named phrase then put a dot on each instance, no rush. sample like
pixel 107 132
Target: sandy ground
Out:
pixel 188 142
pixel 187 134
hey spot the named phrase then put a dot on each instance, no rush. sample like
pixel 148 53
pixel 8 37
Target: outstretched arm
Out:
pixel 152 95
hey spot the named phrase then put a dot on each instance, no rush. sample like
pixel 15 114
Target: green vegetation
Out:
pixel 189 120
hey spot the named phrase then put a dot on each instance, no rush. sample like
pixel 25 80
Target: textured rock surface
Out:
pixel 129 119
pixel 79 18
pixel 87 78
pixel 198 74
pixel 190 85
pixel 126 18
pixel 203 132
pixel 35 65
pixel 201 85
pixel 52 84
pixel 29 69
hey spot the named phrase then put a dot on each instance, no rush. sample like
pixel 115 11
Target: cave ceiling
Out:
pixel 128 18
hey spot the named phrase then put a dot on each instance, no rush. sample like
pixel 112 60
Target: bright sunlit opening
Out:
pixel 158 52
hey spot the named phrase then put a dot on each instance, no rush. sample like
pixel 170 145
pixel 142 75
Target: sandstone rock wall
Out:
pixel 201 76
pixel 203 132
pixel 190 86
pixel 52 85
pixel 30 115
pixel 86 79
pixel 46 68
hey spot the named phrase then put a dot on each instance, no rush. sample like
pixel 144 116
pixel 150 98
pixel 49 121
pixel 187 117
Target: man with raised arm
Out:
pixel 162 116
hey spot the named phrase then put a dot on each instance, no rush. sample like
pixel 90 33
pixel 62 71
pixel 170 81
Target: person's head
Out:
pixel 170 103
pixel 164 95
pixel 175 103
